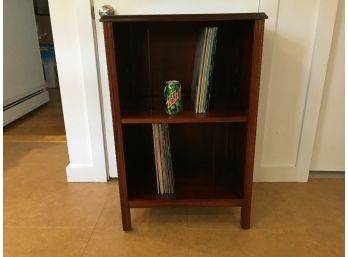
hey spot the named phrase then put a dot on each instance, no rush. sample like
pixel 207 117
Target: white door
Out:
pixel 296 48
pixel 328 152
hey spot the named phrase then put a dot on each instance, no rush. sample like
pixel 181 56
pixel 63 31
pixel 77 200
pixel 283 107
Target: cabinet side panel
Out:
pixel 252 121
pixel 116 117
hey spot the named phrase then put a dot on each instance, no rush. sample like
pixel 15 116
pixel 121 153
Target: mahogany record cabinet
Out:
pixel 213 153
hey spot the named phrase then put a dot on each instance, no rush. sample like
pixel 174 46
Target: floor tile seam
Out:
pixel 245 254
pixel 24 137
pixel 23 165
pixel 243 251
pixel 34 191
pixel 273 230
pixel 94 228
pixel 214 229
pixel 32 142
pixel 234 229
pixel 87 228
pixel 29 139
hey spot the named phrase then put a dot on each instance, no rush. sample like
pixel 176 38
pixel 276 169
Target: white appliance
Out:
pixel 24 85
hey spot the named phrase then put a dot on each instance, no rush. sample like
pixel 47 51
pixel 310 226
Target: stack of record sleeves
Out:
pixel 203 69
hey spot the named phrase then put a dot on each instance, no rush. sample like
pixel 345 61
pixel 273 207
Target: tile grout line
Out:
pixel 93 229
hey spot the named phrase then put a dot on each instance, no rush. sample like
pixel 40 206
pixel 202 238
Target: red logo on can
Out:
pixel 173 98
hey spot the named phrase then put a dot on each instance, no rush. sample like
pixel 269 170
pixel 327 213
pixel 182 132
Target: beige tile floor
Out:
pixel 46 216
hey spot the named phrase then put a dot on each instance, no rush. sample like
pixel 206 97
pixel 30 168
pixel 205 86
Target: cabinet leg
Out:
pixel 126 219
pixel 245 216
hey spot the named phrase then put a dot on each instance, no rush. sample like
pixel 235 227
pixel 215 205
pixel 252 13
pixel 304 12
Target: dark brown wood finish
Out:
pixel 148 55
pixel 213 153
pixel 252 122
pixel 204 168
pixel 116 117
pixel 185 17
pixel 185 117
pixel 159 203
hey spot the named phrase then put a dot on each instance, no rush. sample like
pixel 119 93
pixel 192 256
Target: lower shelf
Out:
pixel 192 188
pixel 164 201
pixel 208 165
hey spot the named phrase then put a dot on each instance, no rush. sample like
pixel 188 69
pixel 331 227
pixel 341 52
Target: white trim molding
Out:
pixel 84 173
pixel 77 69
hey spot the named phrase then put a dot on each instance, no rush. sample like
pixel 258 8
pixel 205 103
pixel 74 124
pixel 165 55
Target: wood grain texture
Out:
pixel 252 122
pixel 186 117
pixel 184 17
pixel 116 117
pixel 159 203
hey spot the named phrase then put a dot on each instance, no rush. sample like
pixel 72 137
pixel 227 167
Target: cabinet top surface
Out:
pixel 184 17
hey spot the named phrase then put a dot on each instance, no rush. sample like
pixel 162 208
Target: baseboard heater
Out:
pixel 24 105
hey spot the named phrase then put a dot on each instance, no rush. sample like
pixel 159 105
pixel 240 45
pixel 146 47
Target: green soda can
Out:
pixel 172 97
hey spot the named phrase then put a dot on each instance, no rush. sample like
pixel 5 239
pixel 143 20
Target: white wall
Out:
pixel 77 70
pixel 328 154
pixel 23 72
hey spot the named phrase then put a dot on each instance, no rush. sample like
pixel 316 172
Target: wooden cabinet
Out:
pixel 213 153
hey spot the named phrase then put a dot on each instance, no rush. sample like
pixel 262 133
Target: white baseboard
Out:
pixel 11 113
pixel 84 173
pixel 278 174
pixel 327 174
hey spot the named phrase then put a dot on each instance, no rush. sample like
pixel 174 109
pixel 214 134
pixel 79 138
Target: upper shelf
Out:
pixel 184 17
pixel 185 117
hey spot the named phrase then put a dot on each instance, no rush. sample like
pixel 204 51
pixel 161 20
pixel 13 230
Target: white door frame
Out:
pixel 73 35
pixel 324 29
